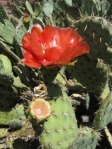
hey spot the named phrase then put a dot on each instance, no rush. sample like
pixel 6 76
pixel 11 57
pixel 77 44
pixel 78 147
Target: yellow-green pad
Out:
pixel 60 130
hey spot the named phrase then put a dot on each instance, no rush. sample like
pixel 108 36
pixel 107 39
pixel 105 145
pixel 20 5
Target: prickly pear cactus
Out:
pixel 61 107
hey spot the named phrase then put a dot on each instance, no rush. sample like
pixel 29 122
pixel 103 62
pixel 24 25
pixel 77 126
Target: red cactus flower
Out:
pixel 52 46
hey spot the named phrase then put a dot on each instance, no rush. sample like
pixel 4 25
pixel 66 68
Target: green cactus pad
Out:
pixel 3 14
pixel 104 113
pixel 60 130
pixel 5 64
pixel 13 118
pixel 105 91
pixel 110 78
pixel 17 83
pixel 61 78
pixel 94 7
pixel 49 74
pixel 3 132
pixel 20 31
pixel 97 31
pixel 87 139
pixel 8 32
pixel 6 75
pixel 23 74
pixel 9 137
pixel 25 133
pixel 91 74
pixel 8 97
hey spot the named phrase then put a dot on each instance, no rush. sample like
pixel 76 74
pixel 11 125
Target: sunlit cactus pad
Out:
pixel 60 131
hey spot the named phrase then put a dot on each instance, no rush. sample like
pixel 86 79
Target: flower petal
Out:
pixel 30 44
pixel 68 37
pixel 72 52
pixel 36 30
pixel 48 34
pixel 30 61
pixel 61 36
pixel 52 54
pixel 65 57
pixel 81 48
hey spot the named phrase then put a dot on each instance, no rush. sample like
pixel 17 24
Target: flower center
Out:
pixel 38 111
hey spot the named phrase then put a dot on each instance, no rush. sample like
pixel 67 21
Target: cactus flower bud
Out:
pixel 40 109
